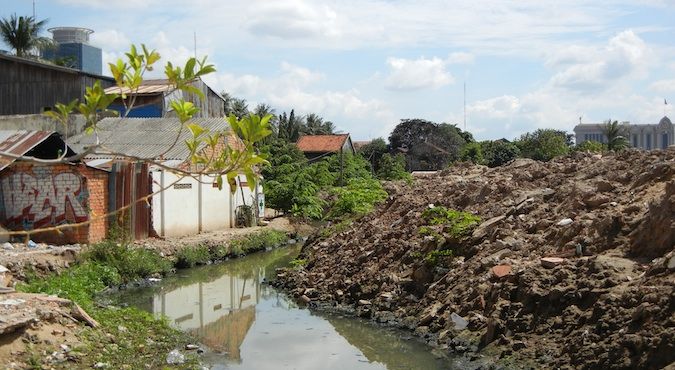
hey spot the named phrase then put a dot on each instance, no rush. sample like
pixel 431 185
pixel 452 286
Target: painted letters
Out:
pixel 41 198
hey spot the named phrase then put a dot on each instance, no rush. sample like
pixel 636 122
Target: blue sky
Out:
pixel 366 64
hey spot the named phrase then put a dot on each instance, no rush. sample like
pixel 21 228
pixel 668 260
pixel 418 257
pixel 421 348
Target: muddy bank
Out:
pixel 572 263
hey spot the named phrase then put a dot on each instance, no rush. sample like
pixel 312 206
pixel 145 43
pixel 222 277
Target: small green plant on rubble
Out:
pixel 434 257
pixel 456 223
pixel 298 263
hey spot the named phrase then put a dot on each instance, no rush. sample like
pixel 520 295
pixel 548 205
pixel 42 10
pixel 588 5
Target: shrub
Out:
pixel 544 144
pixel 192 256
pixel 456 223
pixel 472 152
pixel 131 263
pixel 393 168
pixel 78 284
pixel 358 197
pixel 498 152
pixel 257 242
pixel 591 146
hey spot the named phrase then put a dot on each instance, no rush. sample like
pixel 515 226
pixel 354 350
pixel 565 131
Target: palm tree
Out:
pixel 315 125
pixel 23 34
pixel 615 135
pixel 263 109
pixel 290 126
pixel 239 107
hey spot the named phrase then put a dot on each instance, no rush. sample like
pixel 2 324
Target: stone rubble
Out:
pixel 573 265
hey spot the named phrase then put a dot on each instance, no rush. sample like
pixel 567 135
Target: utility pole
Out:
pixel 34 14
pixel 195 39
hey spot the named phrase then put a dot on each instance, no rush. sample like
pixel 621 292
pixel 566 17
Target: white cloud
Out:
pixel 586 69
pixel 663 86
pixel 110 39
pixel 407 74
pixel 460 57
pixel 293 19
pixel 500 107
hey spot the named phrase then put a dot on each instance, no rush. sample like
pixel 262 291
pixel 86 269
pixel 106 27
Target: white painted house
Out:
pixel 188 205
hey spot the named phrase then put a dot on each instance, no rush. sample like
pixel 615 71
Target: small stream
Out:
pixel 250 325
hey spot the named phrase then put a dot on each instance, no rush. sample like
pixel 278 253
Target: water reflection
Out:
pixel 256 327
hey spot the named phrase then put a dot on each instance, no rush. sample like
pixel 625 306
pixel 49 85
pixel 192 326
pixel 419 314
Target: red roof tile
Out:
pixel 321 143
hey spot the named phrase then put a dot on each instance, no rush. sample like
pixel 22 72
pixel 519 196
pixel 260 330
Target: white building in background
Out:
pixel 644 136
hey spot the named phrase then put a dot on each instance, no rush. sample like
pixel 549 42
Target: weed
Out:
pixel 337 228
pixel 456 223
pixel 298 263
pixel 434 257
pixel 257 242
pixel 131 263
pixel 192 256
pixel 78 284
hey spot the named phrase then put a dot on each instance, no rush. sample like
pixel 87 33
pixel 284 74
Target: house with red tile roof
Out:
pixel 314 146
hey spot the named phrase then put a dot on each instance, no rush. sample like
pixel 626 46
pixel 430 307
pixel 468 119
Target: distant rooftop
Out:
pixel 65 35
pixel 321 143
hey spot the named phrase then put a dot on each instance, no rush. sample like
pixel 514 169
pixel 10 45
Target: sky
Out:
pixel 366 64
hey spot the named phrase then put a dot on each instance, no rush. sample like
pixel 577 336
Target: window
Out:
pixel 648 141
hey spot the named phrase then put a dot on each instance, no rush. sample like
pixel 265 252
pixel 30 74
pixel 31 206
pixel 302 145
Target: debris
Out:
pixel 81 315
pixel 564 222
pixel 459 322
pixel 551 262
pixel 7 246
pixel 175 358
pixel 501 270
pixel 191 347
pixel 12 302
pixel 31 244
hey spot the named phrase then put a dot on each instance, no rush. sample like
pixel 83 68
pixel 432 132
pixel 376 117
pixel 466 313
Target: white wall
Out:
pixel 202 207
pixel 216 213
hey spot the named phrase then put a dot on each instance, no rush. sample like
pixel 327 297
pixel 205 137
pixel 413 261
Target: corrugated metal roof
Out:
pixel 321 143
pixel 148 87
pixel 147 138
pixel 19 142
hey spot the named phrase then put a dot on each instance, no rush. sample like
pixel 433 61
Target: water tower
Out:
pixel 73 49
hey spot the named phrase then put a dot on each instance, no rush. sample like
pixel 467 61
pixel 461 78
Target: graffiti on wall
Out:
pixel 40 198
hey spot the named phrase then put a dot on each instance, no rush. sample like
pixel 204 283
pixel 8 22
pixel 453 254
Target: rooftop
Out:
pixel 321 143
pixel 148 138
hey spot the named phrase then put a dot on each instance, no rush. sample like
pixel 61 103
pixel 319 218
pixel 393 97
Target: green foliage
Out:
pixel 352 167
pixel 456 223
pixel 393 168
pixel 472 152
pixel 128 337
pixel 616 135
pixel 23 34
pixel 374 150
pixel 498 152
pixel 544 144
pixel 192 256
pixel 131 263
pixel 298 263
pixel 427 145
pixel 78 284
pixel 357 198
pixel 256 242
pixel 436 256
pixel 591 146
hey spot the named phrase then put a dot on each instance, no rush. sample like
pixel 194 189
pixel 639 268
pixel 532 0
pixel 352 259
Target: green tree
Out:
pixel 392 167
pixel 544 144
pixel 290 126
pixel 498 152
pixel 239 107
pixel 472 152
pixel 23 35
pixel 591 146
pixel 373 152
pixel 426 145
pixel 315 125
pixel 616 135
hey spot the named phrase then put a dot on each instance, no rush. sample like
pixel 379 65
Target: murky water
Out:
pixel 249 325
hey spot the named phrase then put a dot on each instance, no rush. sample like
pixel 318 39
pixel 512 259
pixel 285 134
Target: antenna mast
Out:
pixel 464 105
pixel 195 35
pixel 34 15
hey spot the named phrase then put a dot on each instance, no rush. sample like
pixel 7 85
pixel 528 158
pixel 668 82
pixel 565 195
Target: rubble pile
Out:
pixel 571 264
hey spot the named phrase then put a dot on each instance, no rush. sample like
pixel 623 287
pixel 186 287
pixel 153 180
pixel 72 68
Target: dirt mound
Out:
pixel 571 264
